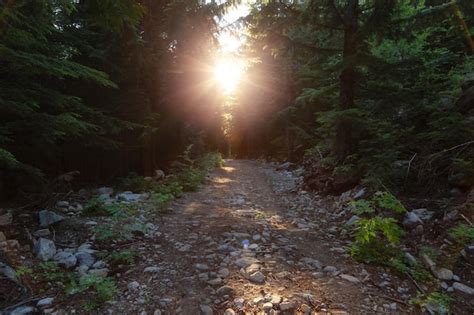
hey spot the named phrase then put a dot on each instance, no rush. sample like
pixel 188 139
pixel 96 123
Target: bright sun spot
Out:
pixel 227 73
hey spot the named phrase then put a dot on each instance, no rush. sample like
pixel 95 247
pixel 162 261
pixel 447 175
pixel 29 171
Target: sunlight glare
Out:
pixel 227 73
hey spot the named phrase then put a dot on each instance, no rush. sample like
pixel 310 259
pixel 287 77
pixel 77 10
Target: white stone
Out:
pixel 45 249
pixel 349 278
pixel 463 288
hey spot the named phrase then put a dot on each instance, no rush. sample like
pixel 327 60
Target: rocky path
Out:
pixel 199 261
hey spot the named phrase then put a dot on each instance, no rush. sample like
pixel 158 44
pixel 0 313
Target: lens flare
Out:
pixel 227 73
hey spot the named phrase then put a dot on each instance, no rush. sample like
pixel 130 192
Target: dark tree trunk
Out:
pixel 343 142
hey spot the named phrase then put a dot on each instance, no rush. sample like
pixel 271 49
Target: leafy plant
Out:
pixel 376 239
pixel 23 270
pixel 431 252
pixel 162 201
pixel 125 257
pixel 52 272
pixel 102 289
pixel 112 231
pixel 387 201
pixel 462 234
pixel 362 206
pixel 403 267
pixel 134 182
pixel 380 200
pixel 96 206
pixel 438 301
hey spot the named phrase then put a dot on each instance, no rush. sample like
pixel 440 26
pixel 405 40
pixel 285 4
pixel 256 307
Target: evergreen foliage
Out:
pixel 407 65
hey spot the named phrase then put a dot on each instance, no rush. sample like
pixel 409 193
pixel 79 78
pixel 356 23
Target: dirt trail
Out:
pixel 197 264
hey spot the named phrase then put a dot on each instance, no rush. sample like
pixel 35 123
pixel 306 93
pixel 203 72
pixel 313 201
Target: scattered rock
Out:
pixel 99 264
pixel 287 306
pixel 229 311
pixel 152 269
pixel 129 196
pixel 244 262
pixel 463 288
pixel 426 260
pixel 311 263
pixel 305 308
pixel 65 259
pixel 433 307
pixel 223 272
pixel 85 258
pixel 411 220
pixel 99 272
pixel 2 237
pixel 48 218
pixel 424 214
pixel 201 267
pixel 257 277
pixel 330 269
pixel 442 273
pixel 359 194
pixel 45 302
pixel 8 272
pixel 215 281
pixel 105 191
pixel 239 302
pixel 349 278
pixel 133 286
pixel 6 219
pixel 225 290
pixel 62 204
pixel 410 258
pixel 352 220
pixel 42 233
pixel 206 310
pixel 45 249
pixel 276 299
pixel 23 310
pixel 267 307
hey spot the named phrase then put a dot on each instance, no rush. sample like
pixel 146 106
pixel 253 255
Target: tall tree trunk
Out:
pixel 343 143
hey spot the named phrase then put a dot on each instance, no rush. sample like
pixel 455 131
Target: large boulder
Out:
pixel 48 218
pixel 411 220
pixel 65 259
pixel 44 249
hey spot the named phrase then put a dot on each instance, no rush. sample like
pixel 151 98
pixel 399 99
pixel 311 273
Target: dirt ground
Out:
pixel 195 263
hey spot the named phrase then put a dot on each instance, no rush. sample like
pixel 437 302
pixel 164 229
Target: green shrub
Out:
pixel 162 201
pixel 381 200
pixel 210 161
pixel 376 239
pixel 362 206
pixel 387 201
pixel 95 206
pixel 103 289
pixel 171 186
pixel 134 182
pixel 438 300
pixel 429 251
pixel 462 234
pixel 402 266
pixel 125 257
pixel 112 231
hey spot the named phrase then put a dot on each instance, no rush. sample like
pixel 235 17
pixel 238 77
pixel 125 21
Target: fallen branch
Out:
pixel 467 220
pixel 452 148
pixel 416 283
pixel 409 165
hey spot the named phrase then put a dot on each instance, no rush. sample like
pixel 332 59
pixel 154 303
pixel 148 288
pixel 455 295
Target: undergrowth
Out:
pixel 376 236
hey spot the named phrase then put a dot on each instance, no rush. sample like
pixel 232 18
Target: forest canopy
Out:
pixel 378 91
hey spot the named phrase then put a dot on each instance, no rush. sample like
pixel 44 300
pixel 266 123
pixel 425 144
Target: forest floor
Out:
pixel 249 241
pixel 197 263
